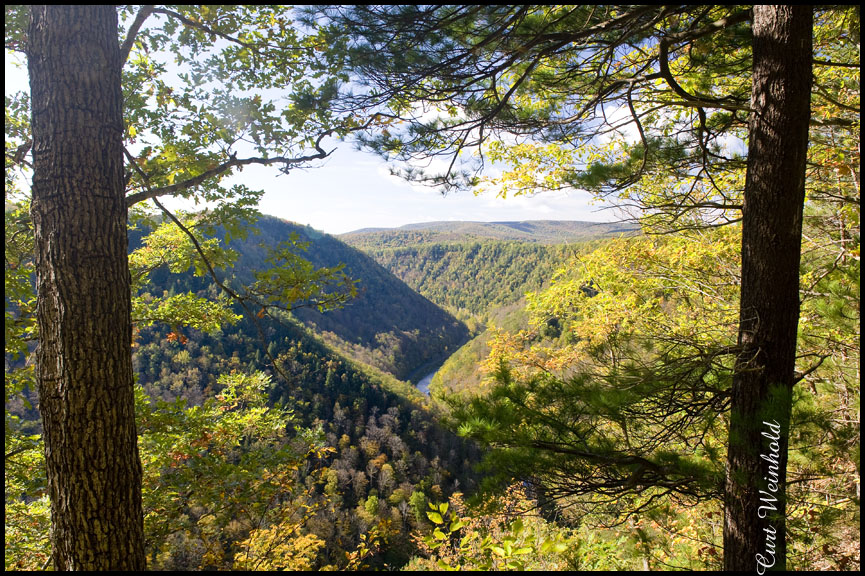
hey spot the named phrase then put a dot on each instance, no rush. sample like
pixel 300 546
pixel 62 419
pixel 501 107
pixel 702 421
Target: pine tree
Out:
pixel 632 102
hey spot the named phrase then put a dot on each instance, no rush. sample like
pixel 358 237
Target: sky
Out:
pixel 354 189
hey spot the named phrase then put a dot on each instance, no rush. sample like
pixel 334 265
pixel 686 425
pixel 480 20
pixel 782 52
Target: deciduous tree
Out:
pixel 112 128
pixel 84 363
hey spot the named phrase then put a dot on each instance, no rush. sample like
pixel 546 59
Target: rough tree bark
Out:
pixel 771 241
pixel 84 365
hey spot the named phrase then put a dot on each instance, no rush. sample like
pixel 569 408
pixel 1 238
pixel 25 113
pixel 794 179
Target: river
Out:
pixel 424 383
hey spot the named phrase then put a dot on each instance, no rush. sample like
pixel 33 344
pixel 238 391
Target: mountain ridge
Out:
pixel 531 231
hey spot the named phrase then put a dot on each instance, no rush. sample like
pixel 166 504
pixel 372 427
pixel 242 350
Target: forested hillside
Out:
pixel 471 277
pixel 380 456
pixel 472 267
pixel 466 372
pixel 387 325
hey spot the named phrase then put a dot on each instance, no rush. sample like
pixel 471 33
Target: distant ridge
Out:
pixel 535 231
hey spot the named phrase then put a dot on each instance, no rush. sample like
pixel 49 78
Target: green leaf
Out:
pixel 435 517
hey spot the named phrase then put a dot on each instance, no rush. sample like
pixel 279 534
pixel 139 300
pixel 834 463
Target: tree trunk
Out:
pixel 771 242
pixel 84 365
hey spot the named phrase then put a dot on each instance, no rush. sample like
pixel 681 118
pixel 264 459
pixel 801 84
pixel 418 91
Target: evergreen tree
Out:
pixel 774 200
pixel 633 102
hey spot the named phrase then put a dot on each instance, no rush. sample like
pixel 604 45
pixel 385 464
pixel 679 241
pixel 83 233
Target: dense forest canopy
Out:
pixel 221 390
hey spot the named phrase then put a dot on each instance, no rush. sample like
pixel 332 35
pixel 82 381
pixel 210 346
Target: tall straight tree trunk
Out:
pixel 84 365
pixel 771 242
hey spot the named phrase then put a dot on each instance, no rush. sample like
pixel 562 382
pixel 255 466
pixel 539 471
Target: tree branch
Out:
pixel 204 28
pixel 691 99
pixel 151 193
pixel 126 47
pixel 819 62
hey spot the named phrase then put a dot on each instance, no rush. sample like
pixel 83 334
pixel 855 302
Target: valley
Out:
pixel 361 373
pixel 366 387
pixel 419 299
pixel 479 271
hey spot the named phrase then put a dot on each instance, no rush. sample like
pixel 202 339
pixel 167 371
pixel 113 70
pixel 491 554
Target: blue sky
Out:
pixel 353 190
